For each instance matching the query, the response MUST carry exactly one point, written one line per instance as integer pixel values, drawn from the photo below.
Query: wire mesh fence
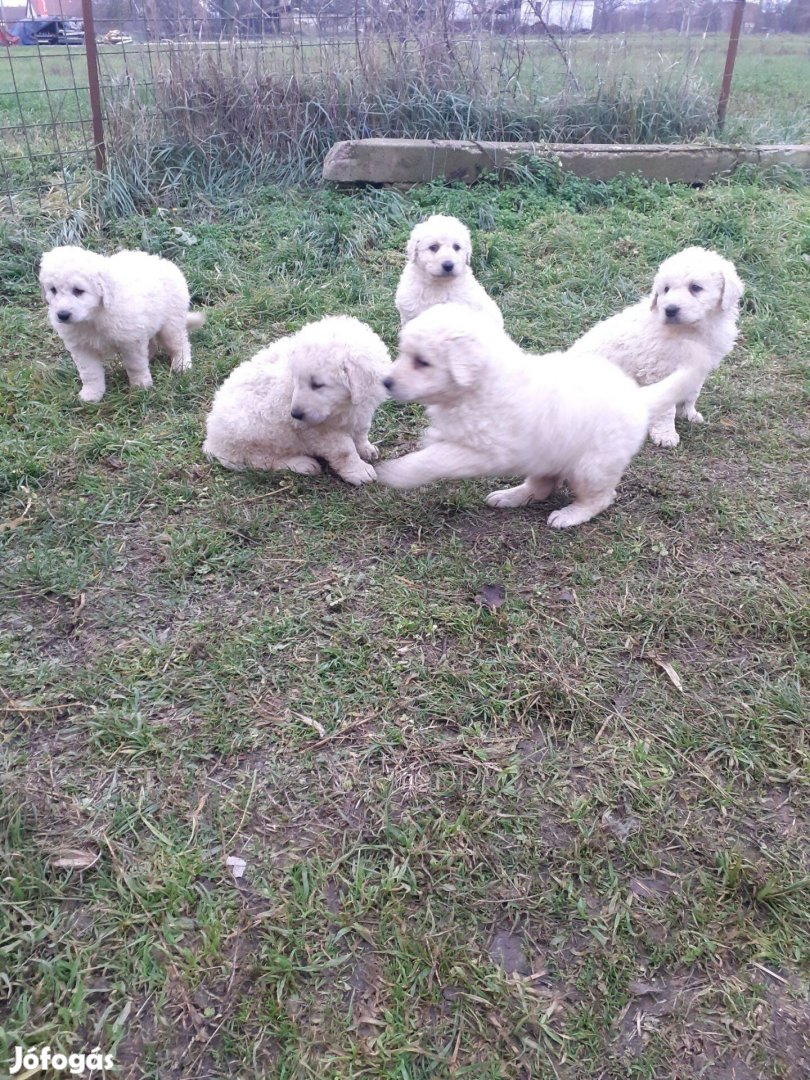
(199, 94)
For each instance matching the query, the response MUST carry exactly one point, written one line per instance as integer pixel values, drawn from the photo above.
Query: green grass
(479, 843)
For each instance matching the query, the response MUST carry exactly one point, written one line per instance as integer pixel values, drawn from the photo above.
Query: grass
(479, 842)
(212, 116)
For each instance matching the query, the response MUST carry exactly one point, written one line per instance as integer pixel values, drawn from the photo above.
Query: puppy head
(333, 365)
(693, 285)
(443, 354)
(73, 285)
(440, 247)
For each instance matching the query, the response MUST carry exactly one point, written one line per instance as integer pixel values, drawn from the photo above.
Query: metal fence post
(93, 83)
(731, 56)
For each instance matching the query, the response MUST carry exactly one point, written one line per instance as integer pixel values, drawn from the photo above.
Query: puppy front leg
(687, 408)
(90, 367)
(135, 359)
(662, 428)
(366, 449)
(342, 455)
(438, 461)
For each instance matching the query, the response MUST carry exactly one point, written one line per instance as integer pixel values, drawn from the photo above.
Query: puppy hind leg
(174, 338)
(533, 489)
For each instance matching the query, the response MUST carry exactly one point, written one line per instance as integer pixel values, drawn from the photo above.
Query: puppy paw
(507, 498)
(141, 382)
(91, 393)
(665, 438)
(362, 474)
(694, 417)
(368, 452)
(180, 364)
(307, 466)
(565, 518)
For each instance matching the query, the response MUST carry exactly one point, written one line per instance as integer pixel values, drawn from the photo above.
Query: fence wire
(254, 80)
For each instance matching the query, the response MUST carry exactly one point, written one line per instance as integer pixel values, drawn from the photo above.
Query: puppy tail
(195, 319)
(670, 391)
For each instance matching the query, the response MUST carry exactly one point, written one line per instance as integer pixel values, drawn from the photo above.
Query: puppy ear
(358, 379)
(733, 287)
(467, 358)
(412, 250)
(467, 255)
(102, 287)
(654, 299)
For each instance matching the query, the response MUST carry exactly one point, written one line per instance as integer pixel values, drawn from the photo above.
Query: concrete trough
(418, 161)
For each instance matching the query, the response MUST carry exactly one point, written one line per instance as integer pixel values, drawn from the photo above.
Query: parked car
(49, 31)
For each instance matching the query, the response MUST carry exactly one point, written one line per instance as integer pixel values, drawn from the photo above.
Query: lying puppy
(495, 410)
(689, 321)
(126, 304)
(308, 396)
(438, 271)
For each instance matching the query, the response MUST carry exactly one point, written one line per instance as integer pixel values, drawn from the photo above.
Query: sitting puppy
(495, 410)
(689, 321)
(126, 304)
(308, 396)
(438, 271)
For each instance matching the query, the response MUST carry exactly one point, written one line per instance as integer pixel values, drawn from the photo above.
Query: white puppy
(311, 395)
(126, 304)
(496, 411)
(690, 320)
(438, 271)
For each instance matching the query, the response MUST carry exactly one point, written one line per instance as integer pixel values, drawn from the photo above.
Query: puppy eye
(419, 362)
(52, 290)
(695, 288)
(666, 288)
(456, 247)
(78, 292)
(316, 385)
(434, 247)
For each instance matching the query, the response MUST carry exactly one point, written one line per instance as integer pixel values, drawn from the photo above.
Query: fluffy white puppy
(495, 411)
(438, 271)
(690, 320)
(308, 396)
(125, 305)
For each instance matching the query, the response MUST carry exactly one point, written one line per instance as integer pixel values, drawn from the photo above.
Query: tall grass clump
(223, 116)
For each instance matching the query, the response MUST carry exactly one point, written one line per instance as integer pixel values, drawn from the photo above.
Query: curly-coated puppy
(496, 411)
(690, 320)
(308, 396)
(124, 305)
(438, 271)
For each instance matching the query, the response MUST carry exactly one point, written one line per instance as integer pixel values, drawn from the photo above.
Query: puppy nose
(63, 316)
(448, 266)
(388, 383)
(671, 310)
(297, 414)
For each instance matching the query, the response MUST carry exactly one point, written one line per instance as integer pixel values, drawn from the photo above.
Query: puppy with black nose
(309, 396)
(125, 305)
(438, 271)
(689, 320)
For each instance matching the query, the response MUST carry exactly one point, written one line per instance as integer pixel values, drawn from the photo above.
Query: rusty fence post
(93, 83)
(731, 56)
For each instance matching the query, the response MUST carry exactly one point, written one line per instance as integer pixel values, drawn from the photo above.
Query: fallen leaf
(639, 988)
(184, 237)
(72, 859)
(237, 865)
(309, 722)
(113, 462)
(17, 521)
(674, 677)
(566, 596)
(490, 596)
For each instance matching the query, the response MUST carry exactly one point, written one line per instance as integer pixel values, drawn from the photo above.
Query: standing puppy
(438, 271)
(311, 395)
(124, 305)
(497, 411)
(690, 320)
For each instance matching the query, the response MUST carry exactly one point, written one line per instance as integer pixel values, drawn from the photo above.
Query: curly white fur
(689, 320)
(497, 411)
(124, 305)
(438, 271)
(311, 395)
